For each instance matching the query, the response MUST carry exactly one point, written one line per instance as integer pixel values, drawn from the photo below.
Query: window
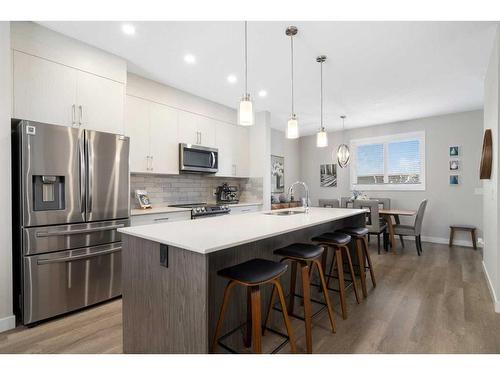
(395, 162)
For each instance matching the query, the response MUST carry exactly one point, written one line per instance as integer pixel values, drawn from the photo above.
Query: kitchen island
(171, 291)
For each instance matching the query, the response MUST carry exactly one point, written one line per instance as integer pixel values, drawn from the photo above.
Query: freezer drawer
(60, 282)
(65, 237)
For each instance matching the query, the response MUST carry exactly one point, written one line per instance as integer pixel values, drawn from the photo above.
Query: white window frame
(420, 136)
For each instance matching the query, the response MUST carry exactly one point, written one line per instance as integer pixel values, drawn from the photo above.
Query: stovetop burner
(204, 209)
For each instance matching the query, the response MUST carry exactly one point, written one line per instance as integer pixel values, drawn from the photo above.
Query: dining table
(388, 215)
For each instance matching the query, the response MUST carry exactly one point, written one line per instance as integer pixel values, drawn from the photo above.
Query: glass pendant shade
(321, 138)
(245, 112)
(343, 155)
(292, 129)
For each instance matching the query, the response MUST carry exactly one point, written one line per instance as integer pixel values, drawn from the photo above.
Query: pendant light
(245, 108)
(292, 129)
(343, 153)
(321, 136)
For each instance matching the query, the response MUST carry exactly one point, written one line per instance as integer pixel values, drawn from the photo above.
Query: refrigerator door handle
(78, 231)
(81, 153)
(90, 179)
(79, 257)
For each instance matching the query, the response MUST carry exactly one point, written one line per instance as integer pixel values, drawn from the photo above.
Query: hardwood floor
(436, 303)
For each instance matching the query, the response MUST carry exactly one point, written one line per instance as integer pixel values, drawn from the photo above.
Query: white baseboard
(496, 302)
(9, 322)
(442, 240)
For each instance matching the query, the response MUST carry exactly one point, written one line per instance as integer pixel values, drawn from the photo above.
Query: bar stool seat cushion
(335, 238)
(355, 231)
(254, 271)
(300, 250)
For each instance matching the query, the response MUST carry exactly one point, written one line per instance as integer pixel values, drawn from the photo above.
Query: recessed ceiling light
(232, 78)
(190, 59)
(262, 93)
(128, 29)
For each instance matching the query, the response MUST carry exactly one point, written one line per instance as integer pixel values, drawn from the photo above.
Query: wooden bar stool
(252, 274)
(360, 236)
(306, 256)
(338, 242)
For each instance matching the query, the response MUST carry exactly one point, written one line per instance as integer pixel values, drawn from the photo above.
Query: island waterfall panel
(173, 308)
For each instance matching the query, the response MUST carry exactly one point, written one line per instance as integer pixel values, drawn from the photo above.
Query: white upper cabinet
(153, 133)
(49, 92)
(232, 142)
(195, 129)
(137, 128)
(44, 91)
(100, 103)
(225, 142)
(242, 157)
(164, 139)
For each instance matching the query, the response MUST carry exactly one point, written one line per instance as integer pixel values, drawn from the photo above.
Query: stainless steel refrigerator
(70, 194)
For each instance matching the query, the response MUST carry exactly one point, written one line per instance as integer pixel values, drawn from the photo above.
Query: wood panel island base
(171, 292)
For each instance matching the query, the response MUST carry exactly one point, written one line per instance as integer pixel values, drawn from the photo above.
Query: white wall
(491, 257)
(290, 150)
(7, 320)
(447, 204)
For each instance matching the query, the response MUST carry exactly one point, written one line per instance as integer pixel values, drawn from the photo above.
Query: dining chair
(415, 229)
(375, 224)
(344, 201)
(330, 203)
(385, 202)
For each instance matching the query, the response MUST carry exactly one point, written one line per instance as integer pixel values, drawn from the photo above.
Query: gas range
(200, 210)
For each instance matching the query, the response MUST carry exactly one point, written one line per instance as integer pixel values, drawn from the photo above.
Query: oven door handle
(78, 231)
(78, 257)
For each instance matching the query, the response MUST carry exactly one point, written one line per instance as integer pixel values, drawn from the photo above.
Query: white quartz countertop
(168, 209)
(204, 236)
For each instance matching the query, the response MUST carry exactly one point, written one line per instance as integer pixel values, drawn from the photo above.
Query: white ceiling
(376, 72)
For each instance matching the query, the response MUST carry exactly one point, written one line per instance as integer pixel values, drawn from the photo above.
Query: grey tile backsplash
(190, 188)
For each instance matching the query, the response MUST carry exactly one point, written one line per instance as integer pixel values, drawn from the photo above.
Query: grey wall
(290, 150)
(447, 204)
(490, 198)
(7, 320)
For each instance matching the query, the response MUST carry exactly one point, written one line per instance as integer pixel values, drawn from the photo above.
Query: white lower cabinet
(53, 93)
(159, 218)
(153, 132)
(245, 209)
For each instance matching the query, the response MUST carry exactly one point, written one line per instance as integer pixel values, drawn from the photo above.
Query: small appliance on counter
(201, 210)
(227, 194)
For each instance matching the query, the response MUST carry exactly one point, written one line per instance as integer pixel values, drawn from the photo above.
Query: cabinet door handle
(147, 162)
(80, 107)
(73, 115)
(162, 219)
(151, 158)
(200, 138)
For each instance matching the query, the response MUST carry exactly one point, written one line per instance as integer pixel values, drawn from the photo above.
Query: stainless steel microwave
(194, 158)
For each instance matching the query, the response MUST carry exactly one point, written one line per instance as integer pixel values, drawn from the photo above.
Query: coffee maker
(227, 194)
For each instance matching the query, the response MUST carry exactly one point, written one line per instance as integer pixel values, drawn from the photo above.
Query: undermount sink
(284, 213)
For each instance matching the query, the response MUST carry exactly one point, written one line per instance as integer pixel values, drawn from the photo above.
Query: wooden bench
(465, 228)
